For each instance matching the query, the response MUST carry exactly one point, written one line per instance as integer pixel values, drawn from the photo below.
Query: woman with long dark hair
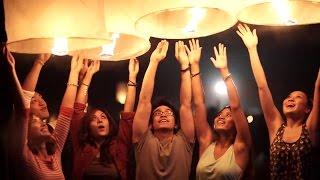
(224, 147)
(40, 150)
(100, 150)
(292, 137)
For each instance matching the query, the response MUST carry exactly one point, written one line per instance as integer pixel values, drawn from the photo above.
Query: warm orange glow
(196, 15)
(108, 49)
(121, 92)
(284, 11)
(60, 46)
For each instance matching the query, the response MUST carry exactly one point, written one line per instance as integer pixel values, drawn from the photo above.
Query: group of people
(162, 137)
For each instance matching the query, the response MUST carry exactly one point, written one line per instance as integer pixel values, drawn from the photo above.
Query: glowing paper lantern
(280, 12)
(54, 26)
(121, 92)
(182, 19)
(126, 41)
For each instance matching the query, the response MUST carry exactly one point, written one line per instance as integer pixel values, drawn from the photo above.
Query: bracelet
(134, 85)
(131, 83)
(72, 84)
(40, 62)
(194, 75)
(227, 77)
(82, 83)
(186, 69)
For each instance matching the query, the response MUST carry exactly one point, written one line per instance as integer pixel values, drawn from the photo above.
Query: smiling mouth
(221, 122)
(290, 105)
(163, 121)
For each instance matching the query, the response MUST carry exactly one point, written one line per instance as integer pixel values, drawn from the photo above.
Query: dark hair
(309, 104)
(226, 107)
(161, 101)
(85, 136)
(219, 112)
(51, 144)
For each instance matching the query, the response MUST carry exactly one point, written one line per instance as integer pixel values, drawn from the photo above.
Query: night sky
(290, 57)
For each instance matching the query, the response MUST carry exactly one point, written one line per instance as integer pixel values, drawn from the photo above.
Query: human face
(163, 118)
(99, 124)
(39, 107)
(38, 129)
(224, 121)
(296, 103)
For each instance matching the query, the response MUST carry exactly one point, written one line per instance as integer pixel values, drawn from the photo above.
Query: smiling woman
(293, 137)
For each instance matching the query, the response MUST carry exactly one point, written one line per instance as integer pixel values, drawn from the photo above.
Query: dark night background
(290, 57)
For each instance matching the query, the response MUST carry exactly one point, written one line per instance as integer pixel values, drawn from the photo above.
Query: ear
(307, 110)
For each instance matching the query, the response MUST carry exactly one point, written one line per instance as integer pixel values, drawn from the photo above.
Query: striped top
(37, 168)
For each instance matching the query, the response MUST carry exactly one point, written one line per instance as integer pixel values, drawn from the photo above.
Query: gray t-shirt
(163, 160)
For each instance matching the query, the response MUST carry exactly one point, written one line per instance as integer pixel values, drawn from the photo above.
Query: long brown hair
(51, 144)
(86, 138)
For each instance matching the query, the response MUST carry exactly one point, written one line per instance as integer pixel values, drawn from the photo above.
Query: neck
(294, 122)
(163, 134)
(42, 150)
(99, 141)
(224, 139)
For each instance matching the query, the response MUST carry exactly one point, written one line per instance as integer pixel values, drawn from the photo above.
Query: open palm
(160, 52)
(220, 61)
(248, 37)
(181, 54)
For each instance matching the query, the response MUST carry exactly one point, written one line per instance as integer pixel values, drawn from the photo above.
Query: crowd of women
(161, 136)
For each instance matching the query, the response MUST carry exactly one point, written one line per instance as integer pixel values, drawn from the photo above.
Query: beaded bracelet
(72, 84)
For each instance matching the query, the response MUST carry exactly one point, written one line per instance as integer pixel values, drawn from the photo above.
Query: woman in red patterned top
(39, 149)
(99, 152)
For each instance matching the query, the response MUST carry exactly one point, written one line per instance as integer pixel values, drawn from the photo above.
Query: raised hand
(133, 67)
(76, 63)
(181, 54)
(194, 53)
(160, 52)
(83, 70)
(249, 38)
(93, 67)
(10, 59)
(43, 58)
(220, 62)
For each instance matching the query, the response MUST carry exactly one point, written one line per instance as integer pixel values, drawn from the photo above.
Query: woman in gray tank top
(225, 153)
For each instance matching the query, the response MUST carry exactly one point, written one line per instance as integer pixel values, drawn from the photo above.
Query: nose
(290, 99)
(99, 120)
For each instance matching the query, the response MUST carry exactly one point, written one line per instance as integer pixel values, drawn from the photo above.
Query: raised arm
(243, 138)
(132, 85)
(313, 124)
(31, 79)
(19, 100)
(186, 118)
(66, 111)
(271, 113)
(203, 130)
(81, 99)
(84, 85)
(20, 107)
(141, 118)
